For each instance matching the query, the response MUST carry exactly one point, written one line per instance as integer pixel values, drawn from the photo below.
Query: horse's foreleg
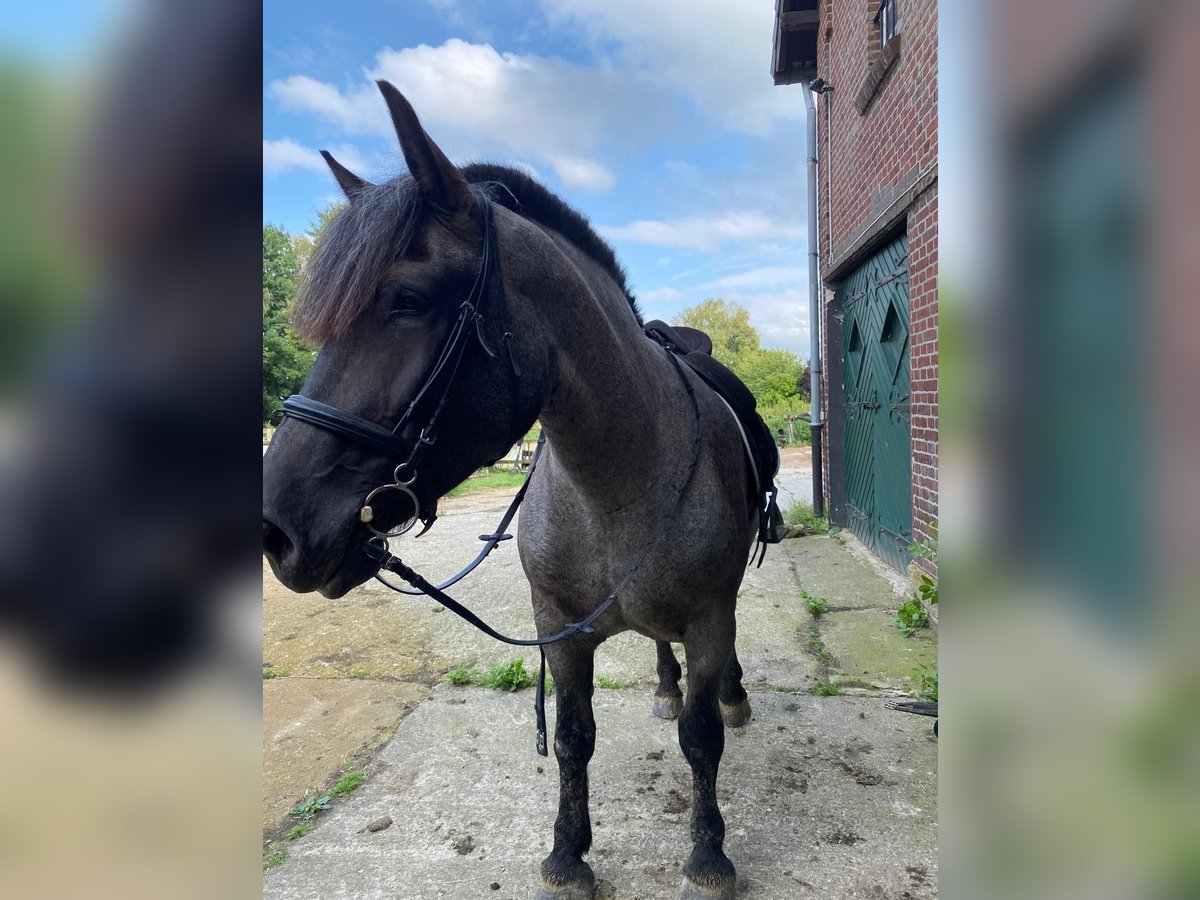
(565, 876)
(668, 699)
(735, 705)
(708, 873)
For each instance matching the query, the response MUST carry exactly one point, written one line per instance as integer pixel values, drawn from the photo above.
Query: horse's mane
(359, 244)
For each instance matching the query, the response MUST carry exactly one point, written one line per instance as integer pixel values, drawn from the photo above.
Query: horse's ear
(350, 183)
(439, 180)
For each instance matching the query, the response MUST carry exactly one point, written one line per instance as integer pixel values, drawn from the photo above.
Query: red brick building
(875, 68)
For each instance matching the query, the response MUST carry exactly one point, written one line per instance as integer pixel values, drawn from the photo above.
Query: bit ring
(366, 514)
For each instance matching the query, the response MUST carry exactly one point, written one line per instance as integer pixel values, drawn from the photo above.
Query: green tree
(302, 246)
(728, 324)
(776, 378)
(324, 217)
(285, 360)
(771, 375)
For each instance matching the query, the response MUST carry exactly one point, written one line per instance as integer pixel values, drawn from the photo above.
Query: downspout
(817, 421)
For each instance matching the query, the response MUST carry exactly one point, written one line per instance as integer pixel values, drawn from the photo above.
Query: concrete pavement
(823, 796)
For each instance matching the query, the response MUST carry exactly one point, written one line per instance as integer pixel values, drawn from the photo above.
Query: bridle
(486, 293)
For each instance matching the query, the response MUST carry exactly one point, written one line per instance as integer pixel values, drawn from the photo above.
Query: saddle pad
(695, 348)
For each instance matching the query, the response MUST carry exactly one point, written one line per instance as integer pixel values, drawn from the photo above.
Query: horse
(454, 307)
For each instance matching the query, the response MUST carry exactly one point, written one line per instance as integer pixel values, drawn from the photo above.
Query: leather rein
(487, 286)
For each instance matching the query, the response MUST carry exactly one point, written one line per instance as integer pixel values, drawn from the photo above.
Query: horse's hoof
(573, 882)
(737, 715)
(669, 706)
(726, 890)
(575, 890)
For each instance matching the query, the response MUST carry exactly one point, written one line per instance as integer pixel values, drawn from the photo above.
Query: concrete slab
(825, 568)
(869, 652)
(314, 727)
(823, 797)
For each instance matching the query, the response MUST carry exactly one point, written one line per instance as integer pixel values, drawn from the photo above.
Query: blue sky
(658, 119)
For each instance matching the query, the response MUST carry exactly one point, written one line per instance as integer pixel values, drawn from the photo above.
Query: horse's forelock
(353, 253)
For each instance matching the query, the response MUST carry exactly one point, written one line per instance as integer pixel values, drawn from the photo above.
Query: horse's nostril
(276, 543)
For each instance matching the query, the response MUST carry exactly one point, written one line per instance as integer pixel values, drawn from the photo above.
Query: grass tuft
(462, 675)
(611, 684)
(272, 672)
(274, 859)
(510, 676)
(299, 831)
(348, 783)
(800, 512)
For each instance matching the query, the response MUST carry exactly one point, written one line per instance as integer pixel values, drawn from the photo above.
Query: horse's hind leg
(565, 876)
(668, 699)
(735, 705)
(708, 872)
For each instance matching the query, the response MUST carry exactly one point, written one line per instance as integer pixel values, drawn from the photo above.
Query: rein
(362, 431)
(377, 549)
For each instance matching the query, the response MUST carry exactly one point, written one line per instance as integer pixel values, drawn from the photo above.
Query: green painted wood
(878, 453)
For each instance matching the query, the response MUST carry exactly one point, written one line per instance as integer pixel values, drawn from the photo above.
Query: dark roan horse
(644, 487)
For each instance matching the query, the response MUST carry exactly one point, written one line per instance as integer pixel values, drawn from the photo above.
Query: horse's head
(404, 293)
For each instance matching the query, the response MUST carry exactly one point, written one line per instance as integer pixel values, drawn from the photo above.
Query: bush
(925, 683)
(775, 417)
(910, 617)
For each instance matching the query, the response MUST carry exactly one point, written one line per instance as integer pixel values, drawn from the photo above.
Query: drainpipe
(814, 307)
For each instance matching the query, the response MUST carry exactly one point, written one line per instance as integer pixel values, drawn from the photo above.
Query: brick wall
(878, 134)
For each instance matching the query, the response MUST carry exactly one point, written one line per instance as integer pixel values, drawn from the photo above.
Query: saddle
(694, 348)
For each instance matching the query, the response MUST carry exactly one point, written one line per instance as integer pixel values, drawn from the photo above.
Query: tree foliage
(728, 324)
(285, 360)
(775, 377)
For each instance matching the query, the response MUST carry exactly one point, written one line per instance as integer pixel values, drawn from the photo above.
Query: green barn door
(878, 456)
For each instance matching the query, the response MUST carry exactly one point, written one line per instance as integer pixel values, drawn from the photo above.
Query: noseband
(486, 293)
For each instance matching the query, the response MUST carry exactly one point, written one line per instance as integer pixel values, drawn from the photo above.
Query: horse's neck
(608, 409)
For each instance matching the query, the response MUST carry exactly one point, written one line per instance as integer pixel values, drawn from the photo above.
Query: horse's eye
(403, 303)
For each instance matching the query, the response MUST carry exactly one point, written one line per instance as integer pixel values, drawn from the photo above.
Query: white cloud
(704, 233)
(762, 276)
(587, 174)
(360, 112)
(661, 295)
(286, 155)
(781, 317)
(476, 102)
(716, 51)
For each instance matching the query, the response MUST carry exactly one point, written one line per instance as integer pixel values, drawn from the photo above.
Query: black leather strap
(330, 418)
(491, 541)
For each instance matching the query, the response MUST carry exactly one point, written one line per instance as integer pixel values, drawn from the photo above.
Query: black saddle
(694, 347)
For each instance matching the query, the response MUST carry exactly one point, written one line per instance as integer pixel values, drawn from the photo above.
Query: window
(886, 20)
